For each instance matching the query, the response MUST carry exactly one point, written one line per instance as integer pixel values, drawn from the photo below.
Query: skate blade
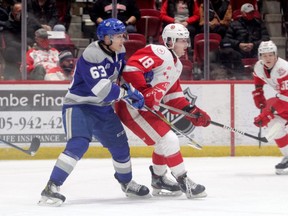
(134, 196)
(281, 171)
(166, 193)
(53, 202)
(200, 195)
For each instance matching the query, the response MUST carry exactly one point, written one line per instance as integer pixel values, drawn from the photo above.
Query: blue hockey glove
(132, 96)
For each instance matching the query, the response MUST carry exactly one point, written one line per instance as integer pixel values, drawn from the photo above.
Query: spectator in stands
(65, 68)
(11, 40)
(127, 12)
(220, 15)
(64, 12)
(41, 57)
(4, 12)
(45, 11)
(242, 39)
(284, 9)
(185, 12)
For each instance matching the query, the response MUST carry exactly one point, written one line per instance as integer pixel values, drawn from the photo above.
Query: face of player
(180, 46)
(117, 41)
(269, 59)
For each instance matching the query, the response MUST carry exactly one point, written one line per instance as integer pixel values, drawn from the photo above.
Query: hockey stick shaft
(262, 139)
(192, 144)
(34, 146)
(260, 132)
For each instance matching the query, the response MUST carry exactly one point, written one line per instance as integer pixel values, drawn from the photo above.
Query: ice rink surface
(236, 186)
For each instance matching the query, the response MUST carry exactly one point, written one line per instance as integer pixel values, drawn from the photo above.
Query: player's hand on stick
(201, 117)
(132, 96)
(259, 98)
(264, 118)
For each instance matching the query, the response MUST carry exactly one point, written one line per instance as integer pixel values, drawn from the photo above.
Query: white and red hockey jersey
(277, 78)
(155, 72)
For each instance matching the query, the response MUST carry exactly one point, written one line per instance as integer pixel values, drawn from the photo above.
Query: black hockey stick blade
(34, 146)
(262, 139)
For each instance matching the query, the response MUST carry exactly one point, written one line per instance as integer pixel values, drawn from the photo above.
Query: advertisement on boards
(29, 110)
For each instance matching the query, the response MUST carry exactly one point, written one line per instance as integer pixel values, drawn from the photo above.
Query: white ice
(236, 186)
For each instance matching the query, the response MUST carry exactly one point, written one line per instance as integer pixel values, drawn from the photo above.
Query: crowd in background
(241, 30)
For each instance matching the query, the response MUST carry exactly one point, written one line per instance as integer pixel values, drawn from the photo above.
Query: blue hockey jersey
(95, 77)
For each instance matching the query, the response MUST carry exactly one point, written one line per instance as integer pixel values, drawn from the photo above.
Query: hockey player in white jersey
(273, 70)
(155, 70)
(88, 111)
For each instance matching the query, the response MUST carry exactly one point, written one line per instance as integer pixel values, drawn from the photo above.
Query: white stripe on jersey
(143, 124)
(102, 88)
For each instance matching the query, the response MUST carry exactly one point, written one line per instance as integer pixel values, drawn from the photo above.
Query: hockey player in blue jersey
(88, 111)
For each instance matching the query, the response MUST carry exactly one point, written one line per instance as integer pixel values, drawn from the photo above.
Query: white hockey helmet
(267, 47)
(173, 32)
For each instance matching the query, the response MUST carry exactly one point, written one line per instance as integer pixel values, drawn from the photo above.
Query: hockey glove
(259, 98)
(264, 118)
(201, 117)
(153, 95)
(132, 96)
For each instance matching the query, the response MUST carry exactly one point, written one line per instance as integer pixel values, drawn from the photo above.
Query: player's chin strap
(193, 143)
(106, 48)
(262, 139)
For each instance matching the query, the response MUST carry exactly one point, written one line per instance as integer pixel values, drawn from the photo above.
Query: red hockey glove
(264, 118)
(259, 99)
(152, 96)
(203, 118)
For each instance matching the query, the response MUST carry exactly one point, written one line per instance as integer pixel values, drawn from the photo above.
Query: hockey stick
(192, 144)
(34, 146)
(260, 132)
(262, 139)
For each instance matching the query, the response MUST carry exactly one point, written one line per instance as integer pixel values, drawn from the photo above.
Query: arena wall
(31, 109)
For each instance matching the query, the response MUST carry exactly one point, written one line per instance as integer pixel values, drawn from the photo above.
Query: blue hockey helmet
(110, 26)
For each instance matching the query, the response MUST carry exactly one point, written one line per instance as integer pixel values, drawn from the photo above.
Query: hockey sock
(121, 162)
(159, 164)
(282, 144)
(175, 162)
(63, 167)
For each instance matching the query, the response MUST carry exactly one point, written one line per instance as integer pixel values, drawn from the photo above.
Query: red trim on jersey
(258, 81)
(283, 85)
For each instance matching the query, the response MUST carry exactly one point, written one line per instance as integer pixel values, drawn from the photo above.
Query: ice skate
(282, 167)
(163, 186)
(191, 189)
(132, 189)
(50, 196)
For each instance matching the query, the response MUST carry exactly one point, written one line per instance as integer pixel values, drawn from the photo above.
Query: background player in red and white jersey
(273, 70)
(154, 71)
